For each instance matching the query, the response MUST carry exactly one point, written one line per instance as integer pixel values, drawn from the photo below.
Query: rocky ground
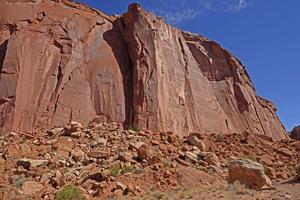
(103, 161)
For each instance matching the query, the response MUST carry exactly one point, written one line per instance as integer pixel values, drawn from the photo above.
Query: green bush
(69, 192)
(134, 128)
(116, 170)
(219, 138)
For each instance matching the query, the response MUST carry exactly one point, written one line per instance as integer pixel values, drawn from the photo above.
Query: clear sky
(263, 34)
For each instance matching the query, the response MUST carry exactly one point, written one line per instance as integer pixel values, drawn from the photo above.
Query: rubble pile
(104, 160)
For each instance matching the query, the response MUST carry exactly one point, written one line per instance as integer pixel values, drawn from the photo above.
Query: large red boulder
(295, 133)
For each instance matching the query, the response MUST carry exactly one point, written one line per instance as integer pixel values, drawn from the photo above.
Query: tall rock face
(62, 61)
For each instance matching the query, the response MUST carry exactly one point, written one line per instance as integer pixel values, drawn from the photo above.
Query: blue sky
(263, 34)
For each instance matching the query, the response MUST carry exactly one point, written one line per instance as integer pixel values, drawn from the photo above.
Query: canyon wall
(61, 61)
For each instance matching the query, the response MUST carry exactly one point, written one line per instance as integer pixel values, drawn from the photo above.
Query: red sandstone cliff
(62, 61)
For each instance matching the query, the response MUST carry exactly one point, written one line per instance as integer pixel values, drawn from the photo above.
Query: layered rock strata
(62, 61)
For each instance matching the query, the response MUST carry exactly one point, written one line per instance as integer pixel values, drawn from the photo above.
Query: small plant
(116, 170)
(127, 169)
(219, 138)
(157, 195)
(166, 163)
(134, 128)
(69, 192)
(20, 182)
(239, 189)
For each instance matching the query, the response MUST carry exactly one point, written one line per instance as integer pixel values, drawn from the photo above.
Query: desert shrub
(166, 163)
(238, 188)
(219, 138)
(117, 170)
(69, 192)
(134, 128)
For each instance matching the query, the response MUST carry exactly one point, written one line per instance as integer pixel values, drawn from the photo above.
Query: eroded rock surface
(62, 61)
(295, 133)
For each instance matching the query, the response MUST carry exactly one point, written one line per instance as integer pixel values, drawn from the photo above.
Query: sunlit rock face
(61, 61)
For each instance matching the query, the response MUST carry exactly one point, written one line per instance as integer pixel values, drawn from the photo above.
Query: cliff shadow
(3, 48)
(117, 42)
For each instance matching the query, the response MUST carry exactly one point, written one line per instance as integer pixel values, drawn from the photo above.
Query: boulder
(191, 156)
(249, 173)
(121, 186)
(212, 159)
(295, 133)
(194, 140)
(55, 131)
(27, 163)
(77, 155)
(144, 152)
(31, 187)
(98, 154)
(286, 152)
(297, 170)
(296, 145)
(73, 129)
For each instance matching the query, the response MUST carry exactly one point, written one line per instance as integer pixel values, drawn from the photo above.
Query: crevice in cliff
(58, 45)
(55, 104)
(3, 49)
(59, 76)
(55, 94)
(118, 43)
(260, 122)
(12, 28)
(187, 87)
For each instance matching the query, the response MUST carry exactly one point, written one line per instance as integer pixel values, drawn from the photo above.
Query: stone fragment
(121, 186)
(45, 177)
(144, 152)
(197, 142)
(57, 180)
(266, 160)
(155, 142)
(286, 152)
(13, 151)
(27, 163)
(135, 145)
(31, 187)
(98, 154)
(296, 145)
(55, 131)
(127, 157)
(212, 159)
(25, 148)
(297, 170)
(72, 128)
(191, 156)
(77, 134)
(77, 155)
(270, 172)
